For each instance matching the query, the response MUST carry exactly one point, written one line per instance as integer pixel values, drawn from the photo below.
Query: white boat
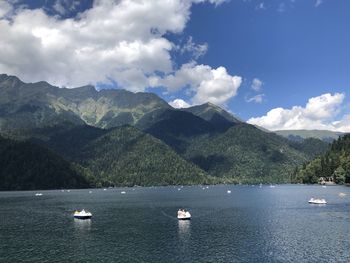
(317, 201)
(183, 215)
(229, 191)
(38, 194)
(123, 192)
(82, 214)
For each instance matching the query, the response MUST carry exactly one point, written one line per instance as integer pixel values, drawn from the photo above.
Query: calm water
(251, 224)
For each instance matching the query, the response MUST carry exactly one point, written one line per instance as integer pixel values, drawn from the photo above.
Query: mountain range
(299, 135)
(116, 137)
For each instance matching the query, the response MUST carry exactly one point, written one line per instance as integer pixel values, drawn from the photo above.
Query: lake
(251, 224)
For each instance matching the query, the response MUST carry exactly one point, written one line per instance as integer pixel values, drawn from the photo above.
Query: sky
(279, 64)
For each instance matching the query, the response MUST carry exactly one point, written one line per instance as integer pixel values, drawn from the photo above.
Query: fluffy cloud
(197, 50)
(217, 87)
(207, 84)
(318, 113)
(5, 8)
(256, 84)
(179, 103)
(63, 7)
(119, 40)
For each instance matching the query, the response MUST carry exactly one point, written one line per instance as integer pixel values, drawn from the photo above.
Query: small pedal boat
(82, 214)
(317, 201)
(183, 215)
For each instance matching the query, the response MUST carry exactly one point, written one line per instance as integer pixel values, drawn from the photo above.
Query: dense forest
(26, 166)
(335, 163)
(125, 156)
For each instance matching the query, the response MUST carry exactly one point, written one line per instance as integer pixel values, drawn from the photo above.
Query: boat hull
(184, 218)
(82, 217)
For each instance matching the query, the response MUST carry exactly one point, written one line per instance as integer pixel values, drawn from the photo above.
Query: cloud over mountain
(319, 113)
(206, 83)
(119, 41)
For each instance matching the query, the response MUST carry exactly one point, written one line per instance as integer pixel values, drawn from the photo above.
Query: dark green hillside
(335, 163)
(26, 166)
(245, 154)
(125, 156)
(176, 128)
(311, 147)
(242, 153)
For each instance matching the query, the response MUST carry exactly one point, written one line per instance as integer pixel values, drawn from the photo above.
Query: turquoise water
(251, 224)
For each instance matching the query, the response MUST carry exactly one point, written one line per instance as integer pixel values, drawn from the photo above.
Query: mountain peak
(213, 113)
(10, 81)
(87, 88)
(209, 104)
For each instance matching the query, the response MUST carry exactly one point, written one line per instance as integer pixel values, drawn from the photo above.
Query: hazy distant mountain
(323, 135)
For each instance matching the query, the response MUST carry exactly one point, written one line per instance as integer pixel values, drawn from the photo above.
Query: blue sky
(297, 52)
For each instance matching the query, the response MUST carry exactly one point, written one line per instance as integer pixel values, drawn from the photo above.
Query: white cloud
(256, 84)
(5, 9)
(120, 40)
(218, 88)
(318, 3)
(197, 50)
(63, 7)
(179, 103)
(207, 84)
(257, 99)
(319, 113)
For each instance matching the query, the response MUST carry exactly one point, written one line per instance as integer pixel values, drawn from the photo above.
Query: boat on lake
(183, 215)
(38, 194)
(317, 201)
(82, 214)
